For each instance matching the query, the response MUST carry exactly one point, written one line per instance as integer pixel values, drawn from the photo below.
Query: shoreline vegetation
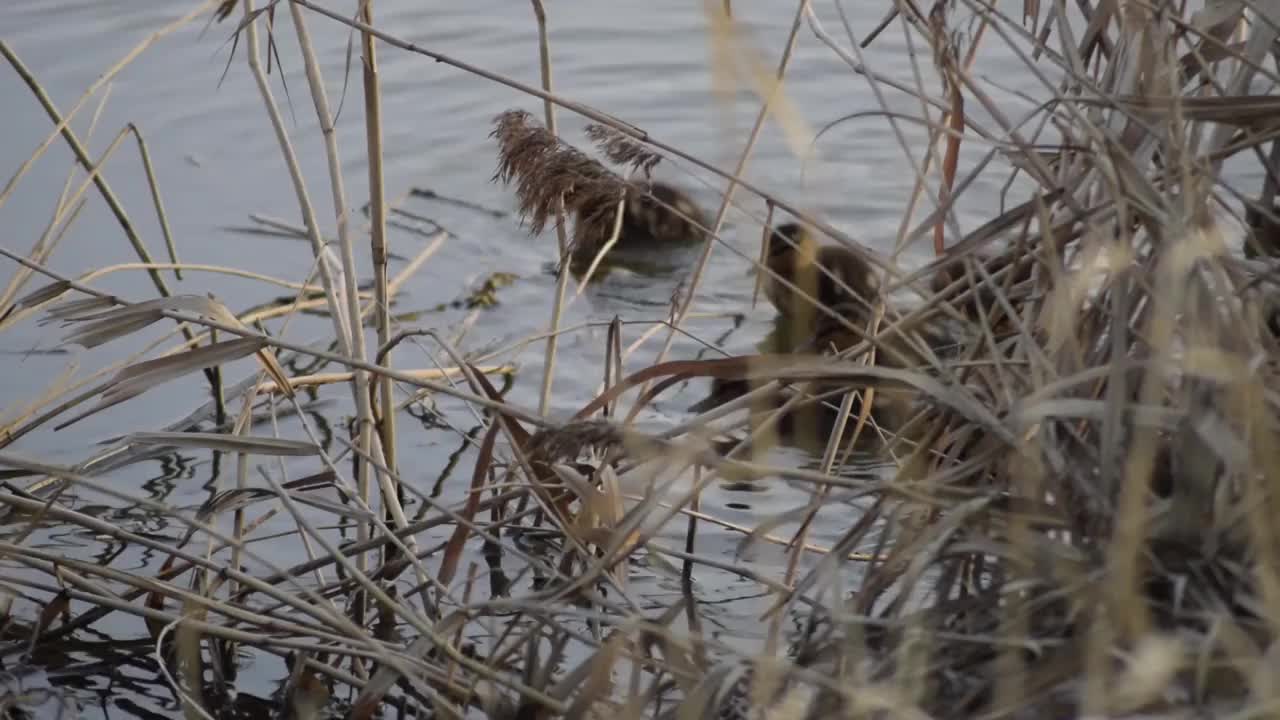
(1072, 407)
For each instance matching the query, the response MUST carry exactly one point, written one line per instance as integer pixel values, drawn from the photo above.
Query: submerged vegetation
(1071, 410)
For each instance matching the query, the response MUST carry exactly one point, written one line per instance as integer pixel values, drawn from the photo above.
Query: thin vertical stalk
(295, 174)
(562, 276)
(378, 231)
(320, 99)
(361, 382)
(368, 442)
(686, 303)
(154, 186)
(242, 482)
(346, 320)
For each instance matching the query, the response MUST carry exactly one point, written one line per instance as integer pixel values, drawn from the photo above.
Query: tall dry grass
(1076, 516)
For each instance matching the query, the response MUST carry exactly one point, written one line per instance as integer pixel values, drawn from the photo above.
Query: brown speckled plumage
(830, 274)
(654, 214)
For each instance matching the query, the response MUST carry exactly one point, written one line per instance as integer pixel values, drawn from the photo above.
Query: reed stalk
(365, 424)
(378, 228)
(562, 241)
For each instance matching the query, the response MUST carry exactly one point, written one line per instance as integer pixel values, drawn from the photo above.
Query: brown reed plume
(622, 150)
(545, 170)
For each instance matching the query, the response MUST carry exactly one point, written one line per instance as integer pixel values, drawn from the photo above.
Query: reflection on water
(217, 162)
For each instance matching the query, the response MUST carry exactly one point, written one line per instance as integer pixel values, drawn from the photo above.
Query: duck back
(655, 216)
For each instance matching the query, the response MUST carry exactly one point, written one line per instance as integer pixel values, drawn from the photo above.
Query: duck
(804, 280)
(655, 215)
(844, 325)
(829, 274)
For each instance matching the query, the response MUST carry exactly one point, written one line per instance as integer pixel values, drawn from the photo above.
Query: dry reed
(1075, 517)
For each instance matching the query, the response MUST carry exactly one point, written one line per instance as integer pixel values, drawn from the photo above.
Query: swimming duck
(796, 258)
(842, 323)
(654, 214)
(848, 290)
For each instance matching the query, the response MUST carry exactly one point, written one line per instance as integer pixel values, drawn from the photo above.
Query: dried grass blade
(453, 550)
(65, 310)
(267, 359)
(228, 443)
(105, 326)
(44, 294)
(337, 509)
(599, 677)
(190, 660)
(324, 478)
(233, 499)
(140, 377)
(1237, 110)
(225, 502)
(104, 331)
(129, 315)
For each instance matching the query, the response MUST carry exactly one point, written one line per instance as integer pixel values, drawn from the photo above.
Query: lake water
(217, 161)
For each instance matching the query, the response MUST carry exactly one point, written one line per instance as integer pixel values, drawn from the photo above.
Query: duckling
(654, 214)
(843, 322)
(664, 214)
(796, 257)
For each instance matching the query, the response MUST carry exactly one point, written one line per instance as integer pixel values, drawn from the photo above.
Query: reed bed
(1074, 517)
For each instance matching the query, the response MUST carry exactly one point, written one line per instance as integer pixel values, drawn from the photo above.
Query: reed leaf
(225, 443)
